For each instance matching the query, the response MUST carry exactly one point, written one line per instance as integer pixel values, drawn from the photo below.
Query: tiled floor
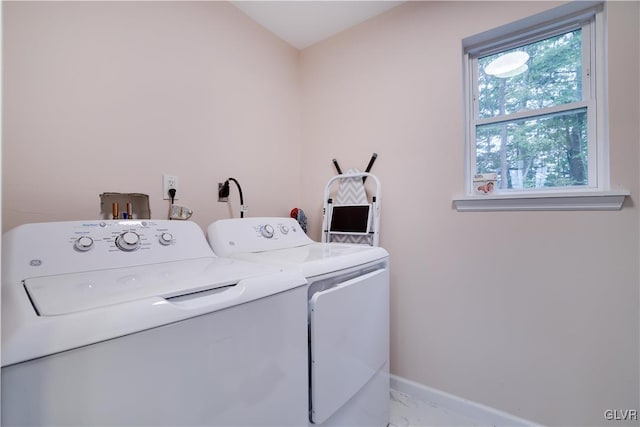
(406, 411)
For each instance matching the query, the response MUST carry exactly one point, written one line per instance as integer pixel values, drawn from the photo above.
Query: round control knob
(83, 243)
(267, 231)
(284, 229)
(166, 239)
(128, 241)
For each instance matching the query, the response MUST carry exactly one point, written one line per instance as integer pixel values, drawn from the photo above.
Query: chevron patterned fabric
(351, 192)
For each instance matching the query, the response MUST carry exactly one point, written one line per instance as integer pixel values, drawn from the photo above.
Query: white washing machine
(348, 307)
(139, 323)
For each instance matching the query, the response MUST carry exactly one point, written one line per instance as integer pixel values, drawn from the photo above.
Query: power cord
(172, 194)
(241, 198)
(223, 193)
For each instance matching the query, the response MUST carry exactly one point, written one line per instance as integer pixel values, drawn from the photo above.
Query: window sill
(588, 201)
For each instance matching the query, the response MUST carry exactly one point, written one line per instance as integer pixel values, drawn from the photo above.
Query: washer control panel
(125, 236)
(59, 247)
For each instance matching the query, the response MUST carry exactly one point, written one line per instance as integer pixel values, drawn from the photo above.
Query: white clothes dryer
(348, 319)
(139, 323)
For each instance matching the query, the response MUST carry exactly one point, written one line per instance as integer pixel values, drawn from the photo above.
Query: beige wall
(108, 96)
(533, 313)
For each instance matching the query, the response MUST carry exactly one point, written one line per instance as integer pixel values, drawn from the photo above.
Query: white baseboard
(484, 415)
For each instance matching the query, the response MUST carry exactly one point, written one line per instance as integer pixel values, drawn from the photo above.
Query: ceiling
(305, 22)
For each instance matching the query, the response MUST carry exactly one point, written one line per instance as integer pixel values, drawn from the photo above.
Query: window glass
(545, 151)
(538, 75)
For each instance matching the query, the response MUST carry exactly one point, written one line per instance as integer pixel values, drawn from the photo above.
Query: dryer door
(349, 331)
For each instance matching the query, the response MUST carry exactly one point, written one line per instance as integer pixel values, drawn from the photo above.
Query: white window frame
(596, 194)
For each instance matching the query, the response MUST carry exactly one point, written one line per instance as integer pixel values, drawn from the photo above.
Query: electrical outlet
(169, 182)
(223, 192)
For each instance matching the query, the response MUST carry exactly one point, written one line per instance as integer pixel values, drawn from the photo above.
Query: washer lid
(69, 293)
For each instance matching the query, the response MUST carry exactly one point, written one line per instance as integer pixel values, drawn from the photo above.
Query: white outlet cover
(168, 182)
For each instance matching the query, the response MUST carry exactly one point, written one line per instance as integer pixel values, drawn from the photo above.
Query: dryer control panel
(259, 234)
(63, 247)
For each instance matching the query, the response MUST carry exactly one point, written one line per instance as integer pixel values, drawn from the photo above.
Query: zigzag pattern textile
(351, 191)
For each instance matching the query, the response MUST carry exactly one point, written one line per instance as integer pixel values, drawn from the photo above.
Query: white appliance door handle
(213, 299)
